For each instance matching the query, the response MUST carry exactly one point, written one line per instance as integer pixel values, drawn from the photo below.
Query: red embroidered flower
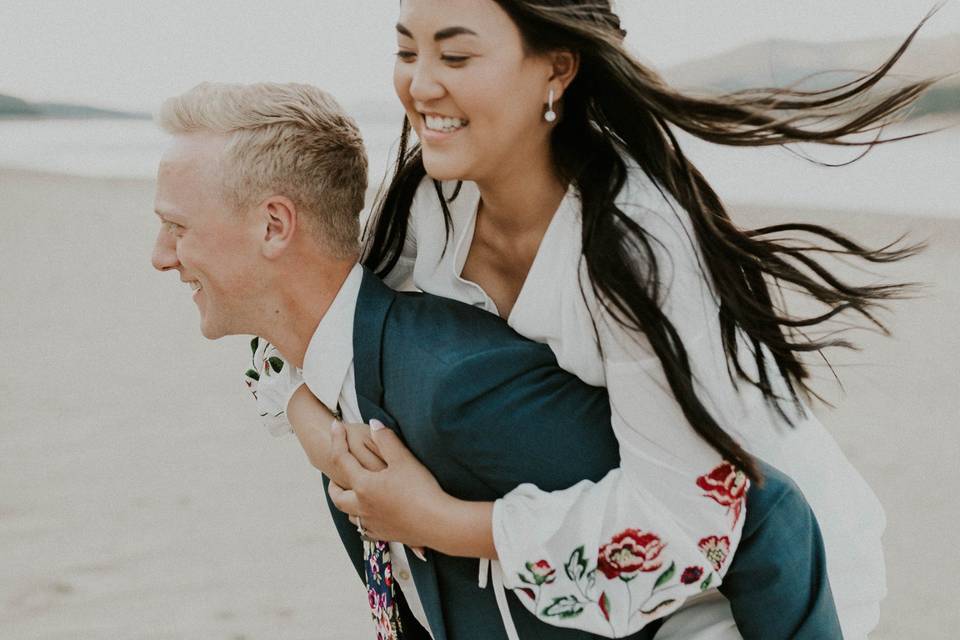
(727, 485)
(691, 575)
(630, 552)
(716, 549)
(542, 572)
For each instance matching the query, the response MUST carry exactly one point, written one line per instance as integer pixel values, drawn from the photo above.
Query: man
(259, 197)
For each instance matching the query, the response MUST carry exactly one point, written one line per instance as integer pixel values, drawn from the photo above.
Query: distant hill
(781, 63)
(12, 107)
(16, 107)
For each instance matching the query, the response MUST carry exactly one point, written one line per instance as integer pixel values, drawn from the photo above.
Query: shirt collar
(330, 352)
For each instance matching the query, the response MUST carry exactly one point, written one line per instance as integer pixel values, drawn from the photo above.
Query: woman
(548, 188)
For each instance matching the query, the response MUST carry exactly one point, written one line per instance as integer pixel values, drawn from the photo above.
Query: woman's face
(471, 93)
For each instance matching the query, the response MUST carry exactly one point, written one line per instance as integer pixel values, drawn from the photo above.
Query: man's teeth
(438, 123)
(195, 285)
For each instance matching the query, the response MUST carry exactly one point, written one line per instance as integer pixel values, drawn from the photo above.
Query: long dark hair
(617, 106)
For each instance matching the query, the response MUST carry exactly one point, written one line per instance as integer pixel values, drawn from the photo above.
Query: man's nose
(164, 255)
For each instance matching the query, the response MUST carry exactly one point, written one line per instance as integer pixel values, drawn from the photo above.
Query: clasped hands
(375, 477)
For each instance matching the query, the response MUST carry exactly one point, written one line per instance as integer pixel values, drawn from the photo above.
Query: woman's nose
(424, 85)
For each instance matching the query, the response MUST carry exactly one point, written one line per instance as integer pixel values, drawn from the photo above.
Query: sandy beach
(141, 499)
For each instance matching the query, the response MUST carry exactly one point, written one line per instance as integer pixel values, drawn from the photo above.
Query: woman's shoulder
(685, 287)
(664, 221)
(643, 198)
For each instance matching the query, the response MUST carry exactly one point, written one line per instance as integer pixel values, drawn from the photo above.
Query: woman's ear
(565, 66)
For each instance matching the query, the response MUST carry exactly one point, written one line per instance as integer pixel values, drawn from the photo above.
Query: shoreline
(737, 208)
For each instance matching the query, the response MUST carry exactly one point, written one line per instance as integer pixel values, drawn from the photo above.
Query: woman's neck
(520, 202)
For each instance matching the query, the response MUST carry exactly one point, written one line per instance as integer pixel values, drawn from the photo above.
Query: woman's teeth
(446, 125)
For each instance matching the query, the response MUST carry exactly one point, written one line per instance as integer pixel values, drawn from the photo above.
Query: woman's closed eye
(454, 59)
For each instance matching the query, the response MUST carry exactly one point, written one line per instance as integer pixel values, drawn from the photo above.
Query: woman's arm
(311, 422)
(404, 503)
(400, 499)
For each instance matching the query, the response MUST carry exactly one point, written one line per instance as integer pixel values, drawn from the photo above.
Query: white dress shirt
(661, 455)
(328, 372)
(556, 306)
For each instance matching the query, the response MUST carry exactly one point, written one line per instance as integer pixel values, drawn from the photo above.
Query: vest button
(404, 575)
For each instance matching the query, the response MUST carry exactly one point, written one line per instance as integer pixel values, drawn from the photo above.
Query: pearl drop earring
(550, 115)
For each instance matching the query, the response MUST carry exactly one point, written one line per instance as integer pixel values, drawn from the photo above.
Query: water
(101, 148)
(920, 176)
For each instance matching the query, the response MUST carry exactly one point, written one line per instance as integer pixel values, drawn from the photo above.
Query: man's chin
(211, 331)
(211, 335)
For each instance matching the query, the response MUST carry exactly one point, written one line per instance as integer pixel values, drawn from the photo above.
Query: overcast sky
(132, 54)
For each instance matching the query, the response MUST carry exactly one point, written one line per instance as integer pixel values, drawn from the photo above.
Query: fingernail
(376, 425)
(419, 554)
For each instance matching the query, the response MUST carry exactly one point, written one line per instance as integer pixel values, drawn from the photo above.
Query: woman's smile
(436, 128)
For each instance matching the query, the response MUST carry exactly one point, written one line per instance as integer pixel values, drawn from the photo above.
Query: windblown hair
(286, 139)
(617, 108)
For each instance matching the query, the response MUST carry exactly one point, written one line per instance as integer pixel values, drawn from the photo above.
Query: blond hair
(286, 139)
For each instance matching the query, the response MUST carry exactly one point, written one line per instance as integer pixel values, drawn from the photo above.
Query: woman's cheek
(401, 83)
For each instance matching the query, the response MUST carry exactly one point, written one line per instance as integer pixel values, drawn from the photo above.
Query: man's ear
(565, 65)
(280, 222)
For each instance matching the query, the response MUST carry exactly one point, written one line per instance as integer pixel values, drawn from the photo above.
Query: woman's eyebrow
(442, 34)
(450, 32)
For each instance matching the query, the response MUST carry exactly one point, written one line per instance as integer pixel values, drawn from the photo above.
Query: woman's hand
(400, 503)
(361, 445)
(311, 423)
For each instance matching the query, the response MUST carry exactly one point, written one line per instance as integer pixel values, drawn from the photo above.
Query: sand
(140, 498)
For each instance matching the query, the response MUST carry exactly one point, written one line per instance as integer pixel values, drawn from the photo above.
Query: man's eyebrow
(442, 34)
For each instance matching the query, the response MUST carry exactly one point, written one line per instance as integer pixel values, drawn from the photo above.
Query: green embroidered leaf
(706, 583)
(275, 363)
(565, 607)
(524, 579)
(591, 579)
(665, 576)
(577, 565)
(663, 604)
(254, 344)
(252, 374)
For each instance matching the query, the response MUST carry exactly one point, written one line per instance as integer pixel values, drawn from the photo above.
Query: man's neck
(299, 306)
